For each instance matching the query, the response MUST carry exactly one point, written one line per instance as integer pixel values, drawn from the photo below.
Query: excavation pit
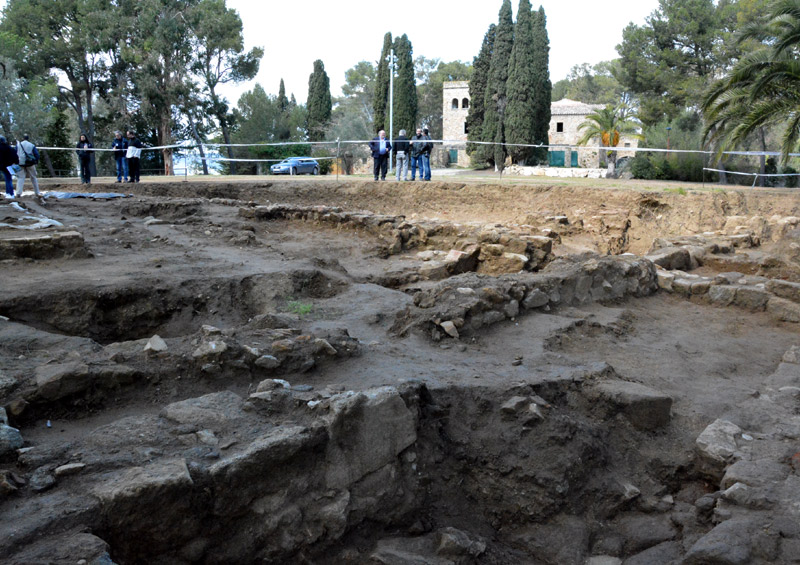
(223, 379)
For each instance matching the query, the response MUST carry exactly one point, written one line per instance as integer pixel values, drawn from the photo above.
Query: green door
(454, 155)
(574, 159)
(557, 158)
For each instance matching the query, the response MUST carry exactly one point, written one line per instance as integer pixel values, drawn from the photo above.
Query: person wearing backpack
(85, 158)
(8, 157)
(28, 156)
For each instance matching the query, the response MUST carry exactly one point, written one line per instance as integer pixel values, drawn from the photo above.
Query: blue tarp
(100, 195)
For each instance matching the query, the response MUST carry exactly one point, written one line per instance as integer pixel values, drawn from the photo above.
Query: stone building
(565, 117)
(455, 107)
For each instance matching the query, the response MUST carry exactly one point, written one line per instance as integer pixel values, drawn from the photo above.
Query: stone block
(729, 543)
(535, 299)
(645, 408)
(722, 295)
(434, 271)
(10, 440)
(754, 473)
(784, 310)
(44, 246)
(682, 286)
(209, 411)
(700, 288)
(367, 430)
(665, 280)
(671, 258)
(716, 446)
(751, 298)
(514, 405)
(56, 381)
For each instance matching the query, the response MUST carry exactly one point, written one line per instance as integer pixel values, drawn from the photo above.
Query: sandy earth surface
(189, 262)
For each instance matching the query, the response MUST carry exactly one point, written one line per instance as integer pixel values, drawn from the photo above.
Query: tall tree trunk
(226, 135)
(48, 163)
(165, 138)
(612, 164)
(220, 111)
(199, 146)
(723, 177)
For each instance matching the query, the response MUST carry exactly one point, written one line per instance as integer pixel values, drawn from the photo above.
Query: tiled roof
(567, 107)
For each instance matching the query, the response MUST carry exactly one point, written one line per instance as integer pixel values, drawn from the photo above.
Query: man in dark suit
(380, 148)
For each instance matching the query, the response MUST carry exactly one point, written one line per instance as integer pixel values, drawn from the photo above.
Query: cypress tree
(495, 98)
(518, 121)
(477, 92)
(283, 102)
(319, 102)
(405, 89)
(543, 88)
(282, 132)
(381, 98)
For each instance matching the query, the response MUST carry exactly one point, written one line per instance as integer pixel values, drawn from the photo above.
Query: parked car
(296, 166)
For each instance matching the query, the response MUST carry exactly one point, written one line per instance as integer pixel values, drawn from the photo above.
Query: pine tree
(405, 89)
(495, 98)
(319, 102)
(477, 92)
(381, 98)
(543, 88)
(518, 121)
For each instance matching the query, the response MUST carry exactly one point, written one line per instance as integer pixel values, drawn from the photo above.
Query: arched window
(465, 103)
(454, 105)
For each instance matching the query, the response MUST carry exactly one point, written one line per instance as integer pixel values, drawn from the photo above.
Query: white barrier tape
(754, 174)
(270, 144)
(259, 160)
(454, 142)
(100, 149)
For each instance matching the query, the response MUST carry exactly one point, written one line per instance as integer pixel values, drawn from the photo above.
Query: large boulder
(717, 448)
(368, 430)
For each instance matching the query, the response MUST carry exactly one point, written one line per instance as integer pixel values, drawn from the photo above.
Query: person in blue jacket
(8, 158)
(120, 147)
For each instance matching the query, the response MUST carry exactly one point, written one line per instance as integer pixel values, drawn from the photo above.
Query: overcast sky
(343, 32)
(294, 33)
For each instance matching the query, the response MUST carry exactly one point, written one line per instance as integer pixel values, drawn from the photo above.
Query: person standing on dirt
(401, 155)
(134, 153)
(85, 158)
(120, 146)
(381, 149)
(28, 156)
(417, 150)
(426, 155)
(8, 158)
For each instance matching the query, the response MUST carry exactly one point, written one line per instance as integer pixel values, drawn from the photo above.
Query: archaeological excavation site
(326, 371)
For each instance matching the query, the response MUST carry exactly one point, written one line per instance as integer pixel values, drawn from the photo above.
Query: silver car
(296, 166)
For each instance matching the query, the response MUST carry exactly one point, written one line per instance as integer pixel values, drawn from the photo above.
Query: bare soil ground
(471, 370)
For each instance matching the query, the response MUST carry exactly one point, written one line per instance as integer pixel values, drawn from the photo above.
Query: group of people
(25, 156)
(415, 152)
(23, 159)
(127, 153)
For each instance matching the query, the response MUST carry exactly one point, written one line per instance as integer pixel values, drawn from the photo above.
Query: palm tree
(763, 88)
(608, 124)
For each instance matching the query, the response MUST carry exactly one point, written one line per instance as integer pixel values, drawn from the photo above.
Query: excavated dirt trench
(392, 373)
